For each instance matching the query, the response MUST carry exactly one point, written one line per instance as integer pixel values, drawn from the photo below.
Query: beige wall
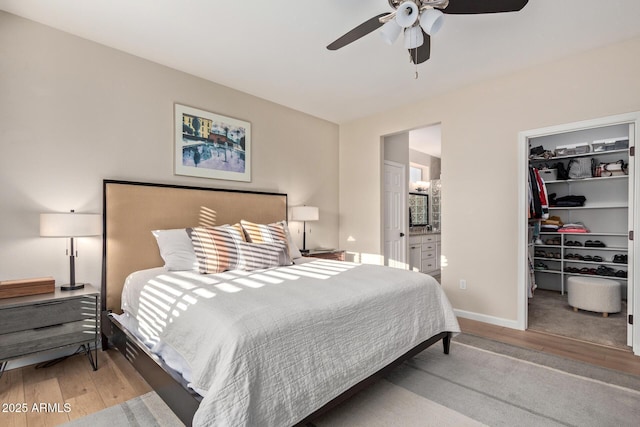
(73, 112)
(480, 125)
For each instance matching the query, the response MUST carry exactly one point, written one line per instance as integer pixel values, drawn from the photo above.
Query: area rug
(481, 382)
(493, 389)
(550, 312)
(148, 410)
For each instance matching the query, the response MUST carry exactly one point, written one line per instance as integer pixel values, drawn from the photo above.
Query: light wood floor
(607, 357)
(72, 381)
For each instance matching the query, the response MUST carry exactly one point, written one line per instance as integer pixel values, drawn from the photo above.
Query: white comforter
(268, 347)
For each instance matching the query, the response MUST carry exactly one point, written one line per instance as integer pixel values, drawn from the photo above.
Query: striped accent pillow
(255, 256)
(270, 233)
(217, 247)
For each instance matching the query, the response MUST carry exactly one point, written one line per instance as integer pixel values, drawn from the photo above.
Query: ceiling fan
(420, 19)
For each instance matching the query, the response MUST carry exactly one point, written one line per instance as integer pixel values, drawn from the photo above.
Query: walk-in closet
(580, 221)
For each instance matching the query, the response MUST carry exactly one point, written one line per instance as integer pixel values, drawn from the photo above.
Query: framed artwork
(209, 145)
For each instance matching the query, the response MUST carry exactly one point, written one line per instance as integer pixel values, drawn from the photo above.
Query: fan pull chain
(415, 58)
(415, 62)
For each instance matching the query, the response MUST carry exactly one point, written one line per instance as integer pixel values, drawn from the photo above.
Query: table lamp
(71, 225)
(304, 214)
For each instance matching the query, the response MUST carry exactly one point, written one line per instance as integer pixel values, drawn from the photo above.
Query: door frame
(633, 296)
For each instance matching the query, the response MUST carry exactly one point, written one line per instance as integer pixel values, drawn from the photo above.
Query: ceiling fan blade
(423, 52)
(358, 32)
(463, 7)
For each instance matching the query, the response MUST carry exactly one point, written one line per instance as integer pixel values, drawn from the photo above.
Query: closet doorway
(587, 237)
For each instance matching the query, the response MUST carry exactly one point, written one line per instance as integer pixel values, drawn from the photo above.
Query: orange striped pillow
(217, 247)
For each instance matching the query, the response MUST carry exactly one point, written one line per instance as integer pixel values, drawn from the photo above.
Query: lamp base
(72, 287)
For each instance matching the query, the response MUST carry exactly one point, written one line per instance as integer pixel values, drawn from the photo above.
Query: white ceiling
(276, 49)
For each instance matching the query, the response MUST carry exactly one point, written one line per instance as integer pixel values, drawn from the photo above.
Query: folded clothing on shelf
(576, 227)
(566, 201)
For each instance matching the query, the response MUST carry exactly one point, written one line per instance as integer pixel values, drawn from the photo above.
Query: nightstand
(36, 323)
(334, 254)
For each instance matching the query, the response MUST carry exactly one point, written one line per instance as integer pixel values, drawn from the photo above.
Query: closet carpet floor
(550, 312)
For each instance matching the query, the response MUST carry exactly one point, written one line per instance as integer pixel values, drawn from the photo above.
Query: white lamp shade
(431, 21)
(305, 213)
(407, 14)
(390, 32)
(70, 225)
(413, 37)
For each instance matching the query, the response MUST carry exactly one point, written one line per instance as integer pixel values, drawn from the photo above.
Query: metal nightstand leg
(93, 358)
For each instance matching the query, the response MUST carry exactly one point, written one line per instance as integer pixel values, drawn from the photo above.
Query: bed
(253, 346)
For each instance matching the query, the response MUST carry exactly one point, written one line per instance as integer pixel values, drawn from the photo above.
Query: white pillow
(294, 252)
(176, 249)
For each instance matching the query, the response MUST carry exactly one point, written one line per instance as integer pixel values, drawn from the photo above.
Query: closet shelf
(612, 249)
(603, 206)
(556, 234)
(602, 178)
(573, 156)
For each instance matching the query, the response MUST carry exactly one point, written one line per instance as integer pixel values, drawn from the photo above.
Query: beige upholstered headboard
(133, 209)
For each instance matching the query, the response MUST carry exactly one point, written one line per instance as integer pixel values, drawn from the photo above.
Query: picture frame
(209, 145)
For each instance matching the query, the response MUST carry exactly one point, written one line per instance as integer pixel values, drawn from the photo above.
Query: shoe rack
(605, 213)
(560, 256)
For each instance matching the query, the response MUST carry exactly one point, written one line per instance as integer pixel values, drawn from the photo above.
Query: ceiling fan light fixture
(407, 14)
(413, 37)
(390, 32)
(431, 21)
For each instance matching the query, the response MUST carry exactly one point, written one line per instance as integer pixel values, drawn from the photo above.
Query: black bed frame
(171, 386)
(184, 402)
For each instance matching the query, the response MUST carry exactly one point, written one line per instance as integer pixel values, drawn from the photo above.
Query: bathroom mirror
(418, 209)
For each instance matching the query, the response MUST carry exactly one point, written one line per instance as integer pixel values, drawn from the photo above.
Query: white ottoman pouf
(594, 294)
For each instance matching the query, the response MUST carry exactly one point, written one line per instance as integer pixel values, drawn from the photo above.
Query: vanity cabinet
(424, 253)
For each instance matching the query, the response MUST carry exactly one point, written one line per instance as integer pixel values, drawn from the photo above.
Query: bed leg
(446, 342)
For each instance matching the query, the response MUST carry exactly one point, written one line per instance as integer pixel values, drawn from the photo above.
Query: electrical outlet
(463, 284)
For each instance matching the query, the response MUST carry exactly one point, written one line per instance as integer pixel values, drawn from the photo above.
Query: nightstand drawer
(35, 340)
(46, 313)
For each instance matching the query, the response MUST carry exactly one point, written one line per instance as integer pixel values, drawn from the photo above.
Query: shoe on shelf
(605, 271)
(621, 273)
(540, 266)
(594, 244)
(620, 259)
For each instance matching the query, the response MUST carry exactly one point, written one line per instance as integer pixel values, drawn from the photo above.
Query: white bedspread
(268, 347)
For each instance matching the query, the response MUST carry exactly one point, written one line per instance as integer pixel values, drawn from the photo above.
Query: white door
(631, 282)
(395, 214)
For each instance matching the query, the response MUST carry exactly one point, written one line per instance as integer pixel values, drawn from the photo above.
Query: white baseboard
(498, 321)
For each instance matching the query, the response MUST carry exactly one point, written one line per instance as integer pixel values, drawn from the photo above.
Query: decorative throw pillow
(270, 233)
(176, 249)
(255, 256)
(216, 247)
